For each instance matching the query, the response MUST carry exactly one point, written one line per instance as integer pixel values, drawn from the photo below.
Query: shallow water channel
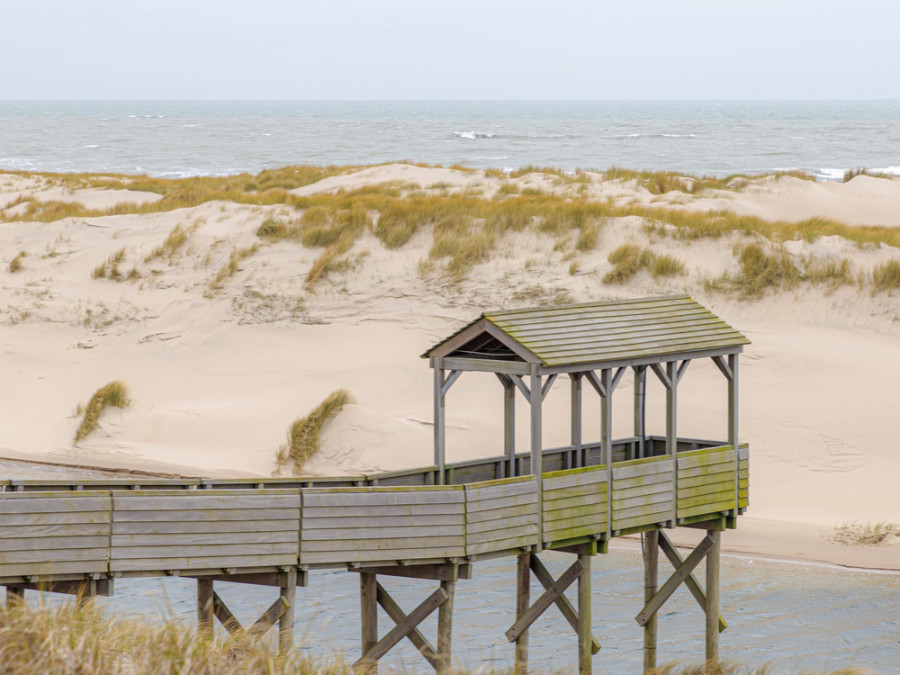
(796, 617)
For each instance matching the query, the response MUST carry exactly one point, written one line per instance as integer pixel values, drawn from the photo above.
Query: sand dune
(219, 369)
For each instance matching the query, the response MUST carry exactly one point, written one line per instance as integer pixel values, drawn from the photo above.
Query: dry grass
(865, 534)
(629, 259)
(230, 268)
(16, 263)
(886, 277)
(110, 268)
(303, 435)
(65, 640)
(114, 394)
(176, 240)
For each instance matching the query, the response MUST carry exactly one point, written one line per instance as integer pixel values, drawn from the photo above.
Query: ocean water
(794, 617)
(699, 137)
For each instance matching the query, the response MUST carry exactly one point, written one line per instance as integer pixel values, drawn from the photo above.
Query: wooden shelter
(434, 523)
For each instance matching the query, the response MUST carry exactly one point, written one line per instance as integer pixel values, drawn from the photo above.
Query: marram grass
(114, 394)
(303, 435)
(67, 640)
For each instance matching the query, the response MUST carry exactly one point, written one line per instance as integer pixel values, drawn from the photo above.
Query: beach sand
(218, 371)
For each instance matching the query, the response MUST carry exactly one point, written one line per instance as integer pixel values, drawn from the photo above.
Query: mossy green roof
(604, 331)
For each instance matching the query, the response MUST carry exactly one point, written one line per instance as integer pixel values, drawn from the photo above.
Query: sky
(437, 50)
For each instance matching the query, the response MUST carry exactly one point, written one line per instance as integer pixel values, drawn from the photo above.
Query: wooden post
(640, 383)
(585, 637)
(672, 430)
(712, 600)
(536, 440)
(288, 594)
(651, 567)
(86, 591)
(445, 629)
(580, 459)
(368, 595)
(606, 442)
(509, 426)
(523, 601)
(205, 616)
(733, 440)
(439, 420)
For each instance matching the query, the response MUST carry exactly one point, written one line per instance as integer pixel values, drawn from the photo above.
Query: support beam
(651, 568)
(523, 600)
(576, 424)
(712, 599)
(225, 617)
(733, 438)
(509, 427)
(445, 629)
(585, 637)
(288, 596)
(672, 429)
(439, 419)
(640, 401)
(521, 386)
(664, 593)
(690, 581)
(14, 597)
(205, 605)
(448, 382)
(368, 596)
(606, 442)
(562, 602)
(537, 438)
(547, 386)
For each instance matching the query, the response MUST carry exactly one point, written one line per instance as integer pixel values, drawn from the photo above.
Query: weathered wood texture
(46, 533)
(203, 529)
(706, 480)
(501, 515)
(382, 524)
(642, 492)
(574, 504)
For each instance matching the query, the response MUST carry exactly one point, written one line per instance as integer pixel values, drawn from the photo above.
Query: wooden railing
(108, 527)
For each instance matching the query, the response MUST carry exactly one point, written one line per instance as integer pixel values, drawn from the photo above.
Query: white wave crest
(472, 135)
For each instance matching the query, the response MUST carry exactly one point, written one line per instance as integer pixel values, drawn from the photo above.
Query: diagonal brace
(415, 636)
(543, 602)
(690, 581)
(260, 626)
(680, 574)
(398, 632)
(562, 602)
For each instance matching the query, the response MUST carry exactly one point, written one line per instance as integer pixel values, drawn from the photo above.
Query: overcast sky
(422, 49)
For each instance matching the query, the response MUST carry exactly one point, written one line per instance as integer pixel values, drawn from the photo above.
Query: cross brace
(406, 627)
(553, 594)
(259, 627)
(683, 573)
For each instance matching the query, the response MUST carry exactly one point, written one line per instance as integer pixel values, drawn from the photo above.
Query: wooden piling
(651, 568)
(712, 599)
(288, 594)
(368, 595)
(14, 597)
(205, 616)
(523, 601)
(585, 636)
(445, 629)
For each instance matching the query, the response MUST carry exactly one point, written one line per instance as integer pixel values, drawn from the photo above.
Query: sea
(190, 138)
(795, 617)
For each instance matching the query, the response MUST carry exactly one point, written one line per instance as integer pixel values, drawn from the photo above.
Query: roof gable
(594, 332)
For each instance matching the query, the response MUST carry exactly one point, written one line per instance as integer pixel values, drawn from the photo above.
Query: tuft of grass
(629, 259)
(727, 668)
(830, 272)
(89, 641)
(865, 534)
(110, 268)
(16, 263)
(303, 435)
(761, 271)
(176, 240)
(230, 268)
(886, 277)
(114, 394)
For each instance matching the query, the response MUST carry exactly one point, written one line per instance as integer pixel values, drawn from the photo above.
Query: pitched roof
(593, 332)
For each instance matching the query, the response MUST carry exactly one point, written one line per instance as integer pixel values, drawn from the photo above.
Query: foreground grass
(66, 640)
(114, 394)
(303, 435)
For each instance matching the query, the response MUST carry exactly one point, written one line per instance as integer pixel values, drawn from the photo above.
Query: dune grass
(886, 277)
(114, 394)
(16, 263)
(230, 268)
(727, 668)
(173, 244)
(629, 259)
(303, 434)
(110, 268)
